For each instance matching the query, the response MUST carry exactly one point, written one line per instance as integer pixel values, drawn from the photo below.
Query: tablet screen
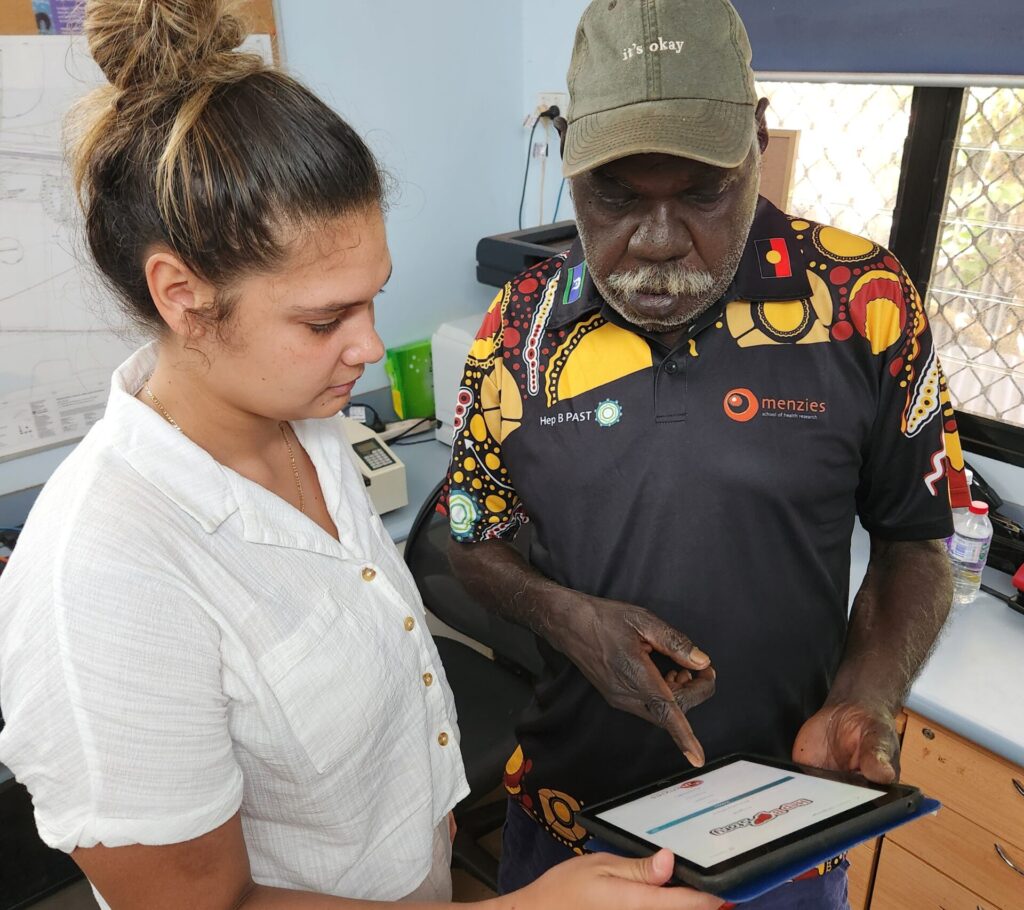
(734, 809)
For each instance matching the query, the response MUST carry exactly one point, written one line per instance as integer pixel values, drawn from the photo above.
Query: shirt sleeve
(480, 500)
(913, 469)
(116, 715)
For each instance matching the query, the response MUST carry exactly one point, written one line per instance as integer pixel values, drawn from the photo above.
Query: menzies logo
(762, 818)
(743, 405)
(740, 405)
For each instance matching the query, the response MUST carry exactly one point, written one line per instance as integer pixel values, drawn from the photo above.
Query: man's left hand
(849, 736)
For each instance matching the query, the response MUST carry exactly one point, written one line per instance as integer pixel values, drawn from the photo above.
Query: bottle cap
(979, 508)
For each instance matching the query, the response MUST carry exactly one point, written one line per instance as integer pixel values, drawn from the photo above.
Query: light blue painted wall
(437, 91)
(548, 33)
(435, 88)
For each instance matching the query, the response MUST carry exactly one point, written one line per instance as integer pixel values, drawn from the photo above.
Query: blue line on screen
(725, 802)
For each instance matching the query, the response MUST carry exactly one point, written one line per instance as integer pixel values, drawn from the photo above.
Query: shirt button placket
(670, 388)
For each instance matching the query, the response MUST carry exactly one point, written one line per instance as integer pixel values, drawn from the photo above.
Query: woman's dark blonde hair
(203, 149)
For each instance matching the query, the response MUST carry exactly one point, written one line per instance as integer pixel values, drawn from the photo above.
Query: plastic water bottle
(968, 550)
(961, 510)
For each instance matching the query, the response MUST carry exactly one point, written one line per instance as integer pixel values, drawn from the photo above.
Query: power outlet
(558, 99)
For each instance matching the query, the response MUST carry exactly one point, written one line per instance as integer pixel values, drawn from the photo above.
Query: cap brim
(715, 132)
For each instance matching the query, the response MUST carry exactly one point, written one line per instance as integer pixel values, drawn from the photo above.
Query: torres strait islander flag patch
(773, 257)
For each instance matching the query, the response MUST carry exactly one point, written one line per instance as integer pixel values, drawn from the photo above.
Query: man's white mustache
(670, 280)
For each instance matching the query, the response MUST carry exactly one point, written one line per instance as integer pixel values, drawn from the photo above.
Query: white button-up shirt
(176, 643)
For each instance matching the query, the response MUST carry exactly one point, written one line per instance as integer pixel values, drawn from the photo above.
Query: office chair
(29, 870)
(489, 694)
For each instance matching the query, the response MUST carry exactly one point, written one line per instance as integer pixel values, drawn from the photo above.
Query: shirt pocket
(331, 682)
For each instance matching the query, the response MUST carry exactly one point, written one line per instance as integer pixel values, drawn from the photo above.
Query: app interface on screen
(734, 809)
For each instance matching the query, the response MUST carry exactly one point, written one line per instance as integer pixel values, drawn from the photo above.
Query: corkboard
(17, 18)
(778, 165)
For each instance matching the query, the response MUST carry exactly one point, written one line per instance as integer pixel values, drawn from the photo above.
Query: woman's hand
(606, 882)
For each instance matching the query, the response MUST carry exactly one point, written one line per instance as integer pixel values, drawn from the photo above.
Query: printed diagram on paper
(56, 350)
(61, 333)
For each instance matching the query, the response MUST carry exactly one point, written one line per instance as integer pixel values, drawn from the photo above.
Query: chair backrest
(426, 555)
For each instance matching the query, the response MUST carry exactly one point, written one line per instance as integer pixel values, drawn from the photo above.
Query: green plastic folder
(411, 372)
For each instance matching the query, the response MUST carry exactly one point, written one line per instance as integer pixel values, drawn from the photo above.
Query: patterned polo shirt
(715, 483)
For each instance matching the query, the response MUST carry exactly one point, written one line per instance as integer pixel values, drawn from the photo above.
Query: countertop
(973, 683)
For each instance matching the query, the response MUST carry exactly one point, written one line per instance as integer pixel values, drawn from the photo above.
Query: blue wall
(548, 33)
(435, 89)
(440, 91)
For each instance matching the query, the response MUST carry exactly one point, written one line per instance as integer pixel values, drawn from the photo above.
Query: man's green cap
(670, 76)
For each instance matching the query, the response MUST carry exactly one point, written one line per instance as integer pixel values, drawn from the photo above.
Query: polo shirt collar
(773, 267)
(576, 295)
(165, 457)
(757, 278)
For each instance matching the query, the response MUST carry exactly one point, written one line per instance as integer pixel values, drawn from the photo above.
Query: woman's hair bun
(164, 44)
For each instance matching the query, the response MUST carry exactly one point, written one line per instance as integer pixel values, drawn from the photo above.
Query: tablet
(744, 818)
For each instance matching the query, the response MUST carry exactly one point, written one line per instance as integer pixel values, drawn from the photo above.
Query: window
(975, 298)
(850, 152)
(936, 173)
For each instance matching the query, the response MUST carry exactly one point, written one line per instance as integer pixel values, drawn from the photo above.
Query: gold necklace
(295, 469)
(291, 454)
(159, 406)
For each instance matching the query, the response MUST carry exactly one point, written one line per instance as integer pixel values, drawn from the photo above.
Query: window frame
(924, 179)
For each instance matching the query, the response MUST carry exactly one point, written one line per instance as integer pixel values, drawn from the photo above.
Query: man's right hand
(610, 641)
(611, 644)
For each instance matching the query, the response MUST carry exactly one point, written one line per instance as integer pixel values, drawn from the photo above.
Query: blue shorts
(528, 851)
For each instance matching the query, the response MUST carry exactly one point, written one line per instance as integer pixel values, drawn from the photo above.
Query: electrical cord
(558, 201)
(526, 174)
(378, 425)
(415, 442)
(414, 429)
(549, 114)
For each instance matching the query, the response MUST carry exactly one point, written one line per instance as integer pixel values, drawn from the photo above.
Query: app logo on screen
(685, 785)
(761, 818)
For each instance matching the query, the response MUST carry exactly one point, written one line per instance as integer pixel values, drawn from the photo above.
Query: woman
(216, 676)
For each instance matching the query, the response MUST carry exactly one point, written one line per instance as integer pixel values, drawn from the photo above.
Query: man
(691, 407)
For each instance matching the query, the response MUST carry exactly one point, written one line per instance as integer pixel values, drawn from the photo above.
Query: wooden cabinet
(965, 778)
(862, 870)
(903, 882)
(959, 859)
